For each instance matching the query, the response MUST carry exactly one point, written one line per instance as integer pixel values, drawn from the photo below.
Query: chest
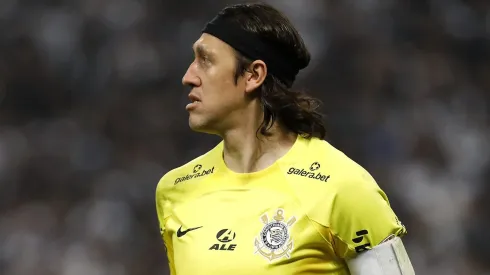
(243, 231)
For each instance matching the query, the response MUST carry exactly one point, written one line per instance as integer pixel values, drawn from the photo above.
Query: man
(272, 197)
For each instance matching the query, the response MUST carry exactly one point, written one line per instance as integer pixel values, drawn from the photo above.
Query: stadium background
(92, 114)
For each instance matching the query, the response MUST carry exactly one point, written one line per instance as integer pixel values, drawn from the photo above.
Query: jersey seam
(329, 228)
(310, 220)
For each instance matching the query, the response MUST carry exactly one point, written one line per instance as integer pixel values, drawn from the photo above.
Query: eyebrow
(201, 51)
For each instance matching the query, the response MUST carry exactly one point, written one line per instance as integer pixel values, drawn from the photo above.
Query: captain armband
(387, 258)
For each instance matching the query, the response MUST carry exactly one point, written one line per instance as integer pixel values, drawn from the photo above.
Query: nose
(190, 77)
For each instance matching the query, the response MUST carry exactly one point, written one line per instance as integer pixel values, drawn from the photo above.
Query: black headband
(254, 48)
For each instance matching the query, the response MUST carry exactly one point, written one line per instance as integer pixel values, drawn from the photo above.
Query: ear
(255, 75)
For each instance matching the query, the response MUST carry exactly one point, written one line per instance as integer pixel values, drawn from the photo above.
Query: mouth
(194, 98)
(195, 101)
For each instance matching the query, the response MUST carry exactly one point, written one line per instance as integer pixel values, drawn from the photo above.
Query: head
(253, 70)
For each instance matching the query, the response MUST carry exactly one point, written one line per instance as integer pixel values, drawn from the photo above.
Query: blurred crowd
(92, 115)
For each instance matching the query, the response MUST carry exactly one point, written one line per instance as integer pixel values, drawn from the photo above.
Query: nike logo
(181, 233)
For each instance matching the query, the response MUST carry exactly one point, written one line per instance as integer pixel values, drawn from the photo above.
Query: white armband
(388, 258)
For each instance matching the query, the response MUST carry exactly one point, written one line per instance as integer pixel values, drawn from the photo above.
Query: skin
(229, 109)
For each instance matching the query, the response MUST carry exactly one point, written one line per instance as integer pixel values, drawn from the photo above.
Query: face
(215, 97)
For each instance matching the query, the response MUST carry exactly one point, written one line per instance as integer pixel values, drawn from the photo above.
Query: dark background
(92, 115)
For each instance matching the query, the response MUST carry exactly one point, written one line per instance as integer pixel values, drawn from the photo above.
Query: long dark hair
(294, 110)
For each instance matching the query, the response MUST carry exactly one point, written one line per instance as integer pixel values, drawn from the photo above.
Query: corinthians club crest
(274, 241)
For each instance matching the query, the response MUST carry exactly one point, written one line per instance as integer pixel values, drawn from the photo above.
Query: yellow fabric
(305, 214)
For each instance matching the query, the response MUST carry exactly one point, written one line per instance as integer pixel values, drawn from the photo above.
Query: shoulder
(326, 180)
(349, 181)
(341, 165)
(193, 170)
(349, 204)
(318, 160)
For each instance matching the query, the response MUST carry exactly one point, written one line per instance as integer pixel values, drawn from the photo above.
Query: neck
(247, 152)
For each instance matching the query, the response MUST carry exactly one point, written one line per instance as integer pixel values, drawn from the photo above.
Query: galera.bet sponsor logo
(312, 174)
(196, 173)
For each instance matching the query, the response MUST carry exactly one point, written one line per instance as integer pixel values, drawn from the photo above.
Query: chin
(197, 125)
(196, 128)
(201, 126)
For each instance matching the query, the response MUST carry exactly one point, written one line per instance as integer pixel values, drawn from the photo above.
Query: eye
(204, 60)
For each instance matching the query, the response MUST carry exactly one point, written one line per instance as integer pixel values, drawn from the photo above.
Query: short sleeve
(159, 200)
(167, 241)
(361, 218)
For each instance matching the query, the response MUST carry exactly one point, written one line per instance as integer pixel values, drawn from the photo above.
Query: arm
(366, 231)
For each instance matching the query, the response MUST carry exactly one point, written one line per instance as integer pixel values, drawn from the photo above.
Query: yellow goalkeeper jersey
(305, 214)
